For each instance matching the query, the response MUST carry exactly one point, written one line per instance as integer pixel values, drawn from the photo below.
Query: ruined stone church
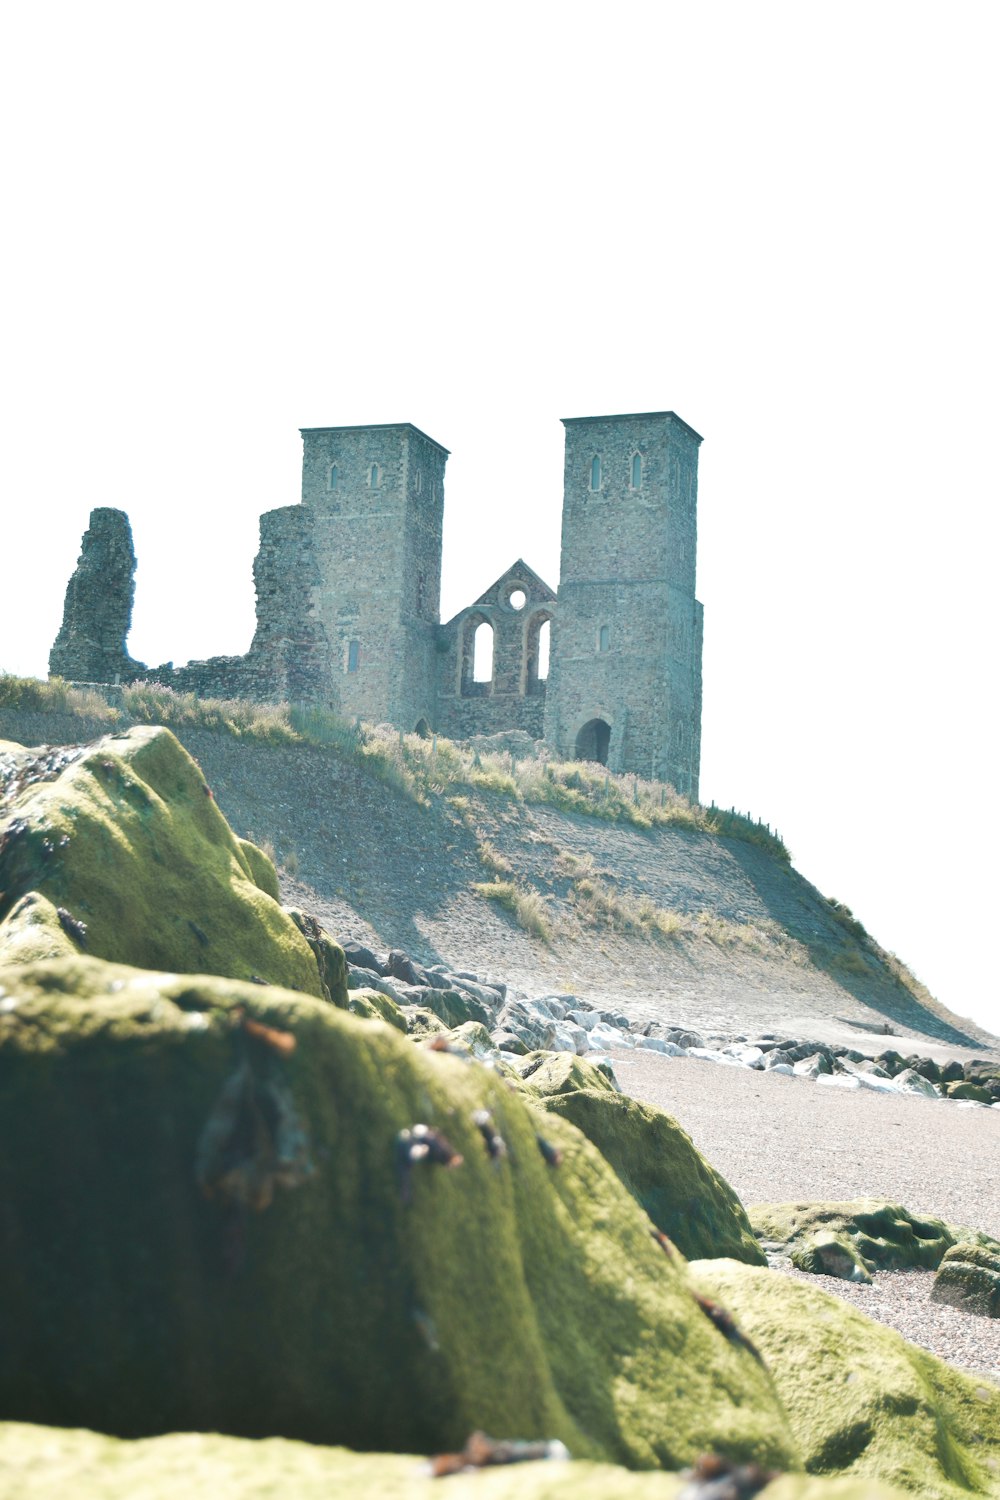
(348, 591)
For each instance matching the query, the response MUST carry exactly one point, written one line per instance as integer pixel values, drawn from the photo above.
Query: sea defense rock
(969, 1277)
(879, 1236)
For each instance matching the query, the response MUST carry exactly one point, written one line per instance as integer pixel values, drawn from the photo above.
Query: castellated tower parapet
(625, 683)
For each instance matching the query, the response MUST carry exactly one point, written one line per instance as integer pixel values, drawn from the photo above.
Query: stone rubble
(519, 1023)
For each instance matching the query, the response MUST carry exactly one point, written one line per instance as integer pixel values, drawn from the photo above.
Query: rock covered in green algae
(826, 1253)
(129, 845)
(547, 1073)
(660, 1166)
(969, 1277)
(861, 1400)
(509, 1295)
(884, 1236)
(372, 1005)
(43, 1463)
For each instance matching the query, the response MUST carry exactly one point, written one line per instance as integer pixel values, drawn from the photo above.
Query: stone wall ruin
(348, 602)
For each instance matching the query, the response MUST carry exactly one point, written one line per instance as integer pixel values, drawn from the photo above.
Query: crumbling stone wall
(97, 614)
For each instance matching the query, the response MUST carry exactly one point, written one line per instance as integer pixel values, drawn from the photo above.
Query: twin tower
(622, 684)
(349, 585)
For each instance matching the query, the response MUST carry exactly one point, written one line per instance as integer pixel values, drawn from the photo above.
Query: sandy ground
(777, 1138)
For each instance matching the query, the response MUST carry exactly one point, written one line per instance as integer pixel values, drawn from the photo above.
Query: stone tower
(375, 498)
(625, 681)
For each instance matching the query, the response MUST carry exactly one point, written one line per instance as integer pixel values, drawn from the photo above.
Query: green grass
(421, 769)
(525, 905)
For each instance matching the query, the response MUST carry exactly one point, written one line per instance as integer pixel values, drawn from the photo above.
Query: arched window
(604, 638)
(637, 471)
(482, 653)
(595, 473)
(374, 476)
(536, 654)
(331, 477)
(543, 650)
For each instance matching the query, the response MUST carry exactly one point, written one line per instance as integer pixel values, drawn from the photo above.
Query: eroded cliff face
(97, 614)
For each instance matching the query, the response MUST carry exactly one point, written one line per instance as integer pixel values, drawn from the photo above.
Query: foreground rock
(210, 1227)
(118, 850)
(658, 1164)
(48, 1463)
(860, 1399)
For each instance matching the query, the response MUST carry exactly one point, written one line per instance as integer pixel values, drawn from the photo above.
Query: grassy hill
(558, 877)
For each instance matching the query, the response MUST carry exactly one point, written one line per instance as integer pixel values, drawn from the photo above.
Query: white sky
(226, 222)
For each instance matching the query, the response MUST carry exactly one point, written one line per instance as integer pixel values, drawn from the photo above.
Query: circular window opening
(517, 598)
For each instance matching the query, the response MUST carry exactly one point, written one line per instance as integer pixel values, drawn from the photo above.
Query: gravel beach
(778, 1139)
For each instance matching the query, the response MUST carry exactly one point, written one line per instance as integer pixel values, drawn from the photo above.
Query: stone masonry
(348, 602)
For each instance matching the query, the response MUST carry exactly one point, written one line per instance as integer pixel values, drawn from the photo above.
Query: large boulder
(861, 1400)
(121, 852)
(659, 1165)
(883, 1236)
(48, 1463)
(220, 1215)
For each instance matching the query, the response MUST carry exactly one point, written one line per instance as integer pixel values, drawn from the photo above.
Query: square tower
(376, 499)
(625, 679)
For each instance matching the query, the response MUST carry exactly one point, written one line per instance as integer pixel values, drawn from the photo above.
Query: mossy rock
(546, 1073)
(861, 1400)
(262, 871)
(372, 1005)
(884, 1236)
(656, 1160)
(474, 1036)
(969, 1277)
(128, 842)
(828, 1254)
(455, 1007)
(505, 1294)
(45, 1463)
(421, 1022)
(331, 960)
(975, 1091)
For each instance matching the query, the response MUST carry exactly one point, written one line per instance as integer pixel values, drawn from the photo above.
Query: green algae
(884, 1236)
(130, 843)
(372, 1005)
(826, 1253)
(659, 1165)
(44, 1463)
(969, 1277)
(262, 871)
(860, 1399)
(548, 1073)
(508, 1295)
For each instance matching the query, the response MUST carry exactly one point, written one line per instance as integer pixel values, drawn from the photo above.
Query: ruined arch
(593, 741)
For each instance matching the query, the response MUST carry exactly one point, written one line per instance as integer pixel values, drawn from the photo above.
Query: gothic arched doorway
(593, 740)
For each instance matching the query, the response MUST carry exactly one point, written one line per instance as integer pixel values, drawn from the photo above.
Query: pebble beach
(778, 1139)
